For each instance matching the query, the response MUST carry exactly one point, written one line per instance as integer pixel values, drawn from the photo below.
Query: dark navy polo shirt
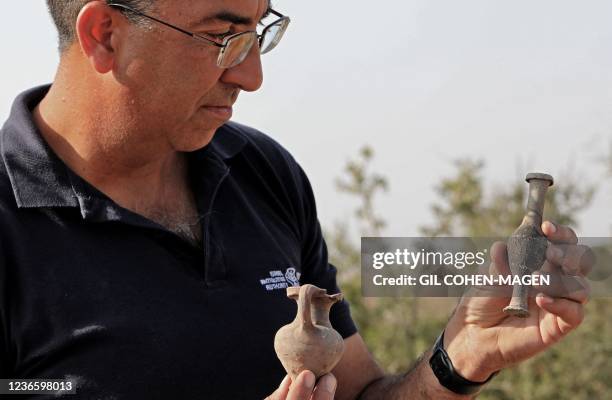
(127, 309)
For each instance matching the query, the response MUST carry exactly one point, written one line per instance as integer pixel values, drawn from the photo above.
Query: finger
(574, 288)
(281, 392)
(498, 266)
(550, 267)
(573, 259)
(326, 388)
(499, 259)
(303, 386)
(559, 233)
(569, 313)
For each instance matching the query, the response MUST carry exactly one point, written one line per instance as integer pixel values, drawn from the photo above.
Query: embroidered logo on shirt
(292, 277)
(279, 281)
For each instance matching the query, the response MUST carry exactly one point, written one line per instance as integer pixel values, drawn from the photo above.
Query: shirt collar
(39, 178)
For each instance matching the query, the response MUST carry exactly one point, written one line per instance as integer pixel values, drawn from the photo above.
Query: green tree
(464, 209)
(392, 327)
(397, 330)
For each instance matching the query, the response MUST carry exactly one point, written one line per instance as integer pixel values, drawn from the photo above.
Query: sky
(522, 85)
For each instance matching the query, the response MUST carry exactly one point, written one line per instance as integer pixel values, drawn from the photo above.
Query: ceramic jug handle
(304, 301)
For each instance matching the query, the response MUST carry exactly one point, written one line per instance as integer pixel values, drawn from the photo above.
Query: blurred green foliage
(398, 330)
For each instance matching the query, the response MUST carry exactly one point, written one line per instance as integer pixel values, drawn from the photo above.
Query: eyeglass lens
(272, 36)
(238, 47)
(236, 50)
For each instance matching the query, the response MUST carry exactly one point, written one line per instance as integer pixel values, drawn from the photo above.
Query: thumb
(498, 266)
(499, 259)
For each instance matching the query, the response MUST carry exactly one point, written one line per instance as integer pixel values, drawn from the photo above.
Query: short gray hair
(65, 13)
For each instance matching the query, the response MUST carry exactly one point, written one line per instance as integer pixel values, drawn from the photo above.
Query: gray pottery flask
(527, 245)
(309, 342)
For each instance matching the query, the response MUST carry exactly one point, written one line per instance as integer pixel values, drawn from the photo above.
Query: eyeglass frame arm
(195, 35)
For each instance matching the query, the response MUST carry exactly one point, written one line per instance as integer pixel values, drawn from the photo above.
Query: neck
(535, 201)
(88, 134)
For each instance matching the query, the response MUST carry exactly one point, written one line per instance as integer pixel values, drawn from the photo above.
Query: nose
(248, 75)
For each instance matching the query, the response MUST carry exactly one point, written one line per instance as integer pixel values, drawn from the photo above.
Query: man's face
(171, 83)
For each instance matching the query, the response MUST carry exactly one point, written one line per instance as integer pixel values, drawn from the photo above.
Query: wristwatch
(443, 369)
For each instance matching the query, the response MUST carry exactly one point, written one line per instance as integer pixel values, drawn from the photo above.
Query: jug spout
(309, 342)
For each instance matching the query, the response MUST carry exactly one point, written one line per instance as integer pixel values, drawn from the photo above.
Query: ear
(95, 27)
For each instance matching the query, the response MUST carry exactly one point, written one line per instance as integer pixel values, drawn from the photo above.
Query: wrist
(448, 376)
(470, 364)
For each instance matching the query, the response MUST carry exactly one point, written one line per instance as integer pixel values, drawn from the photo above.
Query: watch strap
(443, 369)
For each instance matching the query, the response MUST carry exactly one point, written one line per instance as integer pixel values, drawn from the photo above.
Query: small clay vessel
(309, 342)
(527, 245)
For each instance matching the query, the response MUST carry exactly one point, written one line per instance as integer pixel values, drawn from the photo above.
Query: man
(143, 234)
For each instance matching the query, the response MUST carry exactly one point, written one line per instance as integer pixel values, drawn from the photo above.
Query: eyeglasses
(234, 48)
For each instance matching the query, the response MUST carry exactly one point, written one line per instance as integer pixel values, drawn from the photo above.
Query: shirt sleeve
(316, 268)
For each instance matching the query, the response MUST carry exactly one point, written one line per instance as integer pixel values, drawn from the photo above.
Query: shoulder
(264, 153)
(9, 212)
(272, 167)
(7, 198)
(260, 143)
